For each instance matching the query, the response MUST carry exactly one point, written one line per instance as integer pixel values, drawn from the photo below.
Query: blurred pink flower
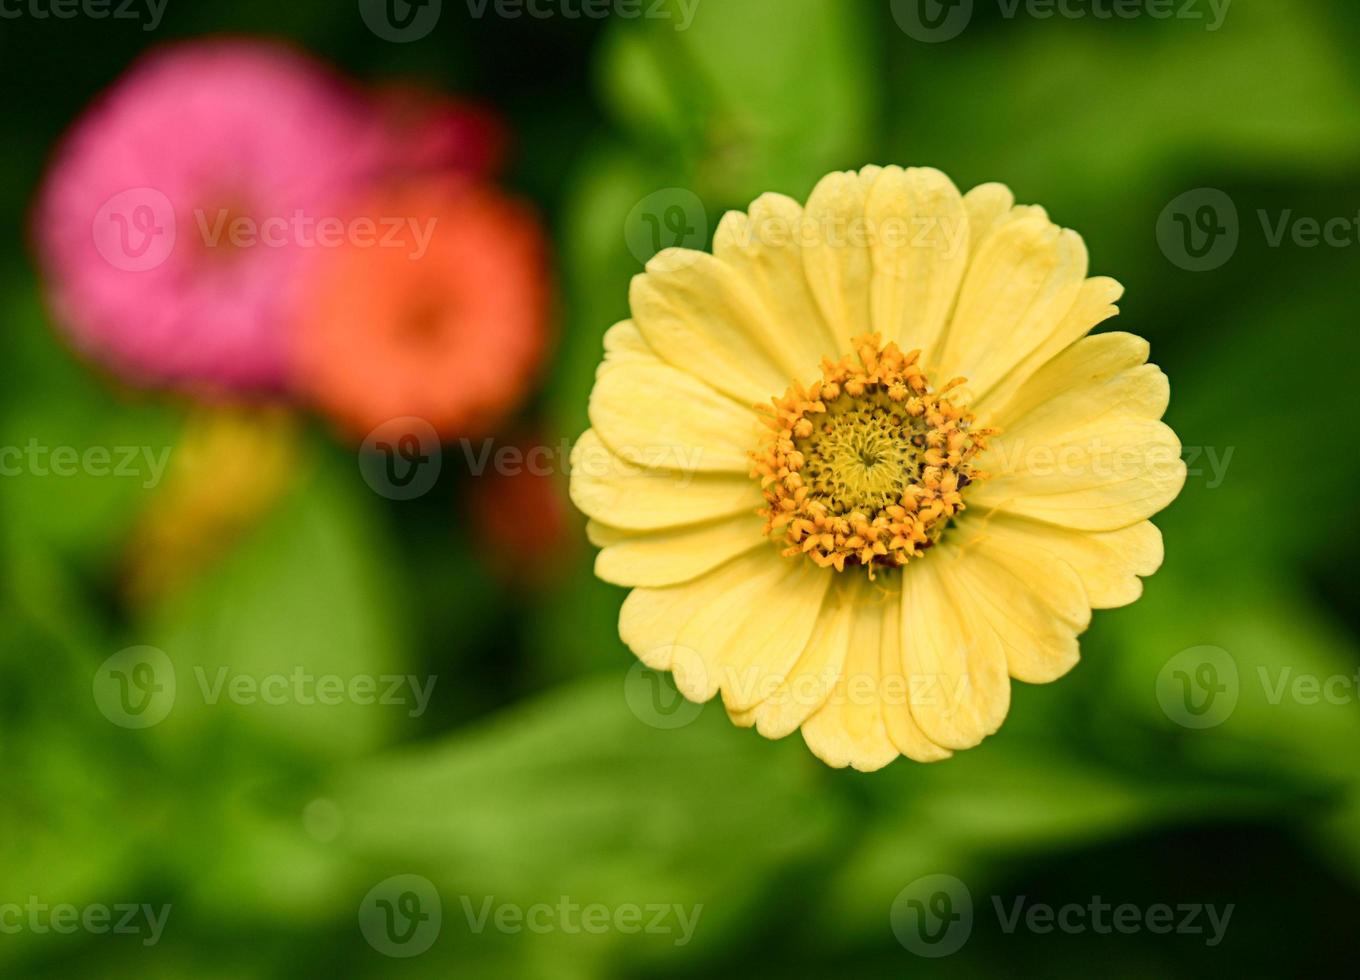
(134, 223)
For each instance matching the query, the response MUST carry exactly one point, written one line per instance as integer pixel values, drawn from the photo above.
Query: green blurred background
(533, 775)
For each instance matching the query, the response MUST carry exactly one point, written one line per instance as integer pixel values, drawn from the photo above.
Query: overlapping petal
(672, 555)
(640, 498)
(731, 629)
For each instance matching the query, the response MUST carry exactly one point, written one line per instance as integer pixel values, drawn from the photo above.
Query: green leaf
(300, 616)
(572, 795)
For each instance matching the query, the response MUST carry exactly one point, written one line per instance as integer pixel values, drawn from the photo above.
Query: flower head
(862, 465)
(446, 321)
(137, 224)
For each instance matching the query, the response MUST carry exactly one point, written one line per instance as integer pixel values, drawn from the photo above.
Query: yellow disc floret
(868, 465)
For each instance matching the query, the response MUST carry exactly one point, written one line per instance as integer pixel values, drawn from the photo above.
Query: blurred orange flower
(440, 313)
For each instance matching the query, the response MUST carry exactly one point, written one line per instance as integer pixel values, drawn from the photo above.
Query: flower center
(868, 465)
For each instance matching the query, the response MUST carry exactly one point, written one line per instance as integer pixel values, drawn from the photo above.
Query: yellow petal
(623, 341)
(1034, 602)
(960, 687)
(1108, 562)
(765, 249)
(836, 256)
(637, 498)
(985, 205)
(1081, 445)
(811, 679)
(851, 728)
(919, 233)
(1094, 305)
(701, 317)
(1096, 377)
(1096, 477)
(731, 629)
(1022, 283)
(901, 688)
(654, 415)
(674, 555)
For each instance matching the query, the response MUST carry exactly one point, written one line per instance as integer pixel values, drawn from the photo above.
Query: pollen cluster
(868, 465)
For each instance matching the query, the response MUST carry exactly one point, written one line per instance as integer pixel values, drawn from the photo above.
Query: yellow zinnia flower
(946, 476)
